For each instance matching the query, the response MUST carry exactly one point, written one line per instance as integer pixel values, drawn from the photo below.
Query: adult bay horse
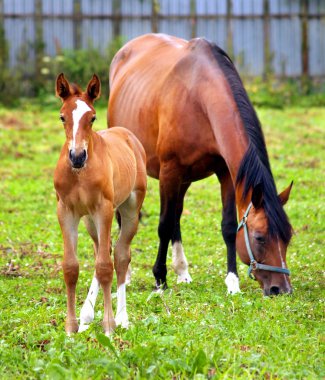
(97, 172)
(185, 102)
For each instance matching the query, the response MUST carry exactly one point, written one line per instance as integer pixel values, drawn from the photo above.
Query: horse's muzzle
(277, 290)
(77, 160)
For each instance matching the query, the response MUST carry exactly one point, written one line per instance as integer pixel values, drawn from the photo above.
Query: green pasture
(191, 331)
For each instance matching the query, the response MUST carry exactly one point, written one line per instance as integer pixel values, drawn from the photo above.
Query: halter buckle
(254, 264)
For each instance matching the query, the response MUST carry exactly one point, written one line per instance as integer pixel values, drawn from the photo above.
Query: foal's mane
(255, 166)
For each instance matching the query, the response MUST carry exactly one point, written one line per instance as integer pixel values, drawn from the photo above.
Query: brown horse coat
(186, 103)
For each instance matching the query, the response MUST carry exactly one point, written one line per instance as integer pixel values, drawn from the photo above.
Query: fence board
(238, 26)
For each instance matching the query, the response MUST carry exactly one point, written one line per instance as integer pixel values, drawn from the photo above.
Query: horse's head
(77, 115)
(263, 250)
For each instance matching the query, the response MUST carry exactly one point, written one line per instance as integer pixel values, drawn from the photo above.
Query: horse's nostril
(274, 290)
(78, 161)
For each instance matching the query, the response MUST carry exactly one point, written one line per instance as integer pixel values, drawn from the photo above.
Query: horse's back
(156, 91)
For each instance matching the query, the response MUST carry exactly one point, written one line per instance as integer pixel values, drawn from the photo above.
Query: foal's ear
(284, 196)
(93, 88)
(62, 88)
(257, 196)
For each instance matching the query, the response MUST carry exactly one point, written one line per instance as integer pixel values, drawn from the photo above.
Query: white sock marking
(128, 275)
(121, 313)
(180, 263)
(77, 114)
(232, 283)
(87, 312)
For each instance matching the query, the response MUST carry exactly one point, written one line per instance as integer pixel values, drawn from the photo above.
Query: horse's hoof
(160, 286)
(83, 327)
(71, 327)
(122, 320)
(109, 327)
(232, 283)
(184, 278)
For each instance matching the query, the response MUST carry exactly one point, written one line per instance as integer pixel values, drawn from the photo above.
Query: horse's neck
(232, 141)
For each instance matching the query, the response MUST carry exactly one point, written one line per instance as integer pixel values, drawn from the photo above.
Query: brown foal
(97, 172)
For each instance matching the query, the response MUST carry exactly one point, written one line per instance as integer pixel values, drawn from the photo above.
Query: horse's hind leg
(180, 264)
(229, 230)
(87, 312)
(129, 214)
(170, 184)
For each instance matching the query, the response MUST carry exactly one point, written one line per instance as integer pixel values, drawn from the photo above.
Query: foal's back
(127, 161)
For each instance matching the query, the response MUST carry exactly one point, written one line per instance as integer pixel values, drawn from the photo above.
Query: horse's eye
(93, 118)
(62, 118)
(260, 239)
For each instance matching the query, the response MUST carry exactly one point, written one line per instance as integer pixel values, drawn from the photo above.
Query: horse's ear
(284, 196)
(93, 88)
(62, 88)
(257, 195)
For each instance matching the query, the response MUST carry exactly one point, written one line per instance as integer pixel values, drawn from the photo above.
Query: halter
(253, 263)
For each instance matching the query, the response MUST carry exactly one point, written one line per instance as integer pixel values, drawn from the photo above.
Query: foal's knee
(70, 272)
(104, 271)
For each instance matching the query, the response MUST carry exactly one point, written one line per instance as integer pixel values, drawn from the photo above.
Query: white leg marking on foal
(128, 275)
(232, 283)
(180, 264)
(121, 314)
(77, 114)
(87, 312)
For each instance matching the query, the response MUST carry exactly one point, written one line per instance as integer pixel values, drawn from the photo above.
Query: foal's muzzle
(77, 160)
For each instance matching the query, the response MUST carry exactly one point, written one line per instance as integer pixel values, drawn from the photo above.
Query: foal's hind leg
(87, 312)
(180, 264)
(229, 230)
(129, 214)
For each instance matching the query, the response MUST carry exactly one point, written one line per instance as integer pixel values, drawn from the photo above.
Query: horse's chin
(76, 169)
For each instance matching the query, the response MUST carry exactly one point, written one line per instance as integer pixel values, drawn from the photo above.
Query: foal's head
(77, 115)
(265, 245)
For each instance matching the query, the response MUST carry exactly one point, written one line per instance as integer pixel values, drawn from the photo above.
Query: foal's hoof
(71, 327)
(109, 327)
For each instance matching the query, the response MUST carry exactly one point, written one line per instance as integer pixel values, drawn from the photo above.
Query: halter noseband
(253, 263)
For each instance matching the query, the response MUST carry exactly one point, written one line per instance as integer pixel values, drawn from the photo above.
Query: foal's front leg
(104, 263)
(69, 227)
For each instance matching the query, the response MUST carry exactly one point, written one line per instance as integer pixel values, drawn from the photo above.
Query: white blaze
(77, 114)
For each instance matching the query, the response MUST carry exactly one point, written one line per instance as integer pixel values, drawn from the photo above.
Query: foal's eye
(93, 118)
(62, 118)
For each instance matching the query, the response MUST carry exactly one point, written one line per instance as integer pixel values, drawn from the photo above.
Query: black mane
(255, 166)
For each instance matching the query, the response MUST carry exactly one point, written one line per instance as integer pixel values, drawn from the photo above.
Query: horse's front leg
(229, 230)
(104, 264)
(69, 227)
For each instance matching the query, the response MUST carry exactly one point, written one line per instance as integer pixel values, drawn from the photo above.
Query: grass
(191, 331)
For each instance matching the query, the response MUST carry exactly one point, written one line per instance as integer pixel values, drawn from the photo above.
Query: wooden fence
(286, 37)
